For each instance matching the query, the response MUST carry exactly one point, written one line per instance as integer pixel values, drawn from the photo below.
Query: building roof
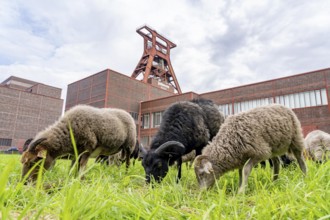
(20, 82)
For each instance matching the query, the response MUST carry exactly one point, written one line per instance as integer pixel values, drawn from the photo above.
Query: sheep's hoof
(241, 190)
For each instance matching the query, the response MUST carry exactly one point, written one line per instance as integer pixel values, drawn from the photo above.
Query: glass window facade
(295, 100)
(304, 99)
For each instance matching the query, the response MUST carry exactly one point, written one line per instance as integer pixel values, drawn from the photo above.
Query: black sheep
(185, 126)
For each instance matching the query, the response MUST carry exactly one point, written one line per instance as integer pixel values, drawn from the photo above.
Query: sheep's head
(156, 162)
(319, 153)
(204, 171)
(35, 153)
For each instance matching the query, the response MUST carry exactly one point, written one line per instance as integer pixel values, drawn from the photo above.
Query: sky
(220, 43)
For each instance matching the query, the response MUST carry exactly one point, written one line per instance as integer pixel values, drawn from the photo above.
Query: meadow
(108, 192)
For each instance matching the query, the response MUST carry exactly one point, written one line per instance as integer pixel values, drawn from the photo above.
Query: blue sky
(220, 44)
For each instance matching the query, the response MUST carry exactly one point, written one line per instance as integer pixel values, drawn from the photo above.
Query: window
(312, 98)
(226, 109)
(144, 141)
(282, 100)
(286, 101)
(302, 100)
(318, 97)
(157, 119)
(134, 115)
(5, 142)
(307, 99)
(296, 100)
(291, 100)
(237, 107)
(146, 120)
(324, 97)
(254, 103)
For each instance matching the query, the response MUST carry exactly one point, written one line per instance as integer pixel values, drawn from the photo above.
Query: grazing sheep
(318, 146)
(96, 131)
(247, 138)
(185, 126)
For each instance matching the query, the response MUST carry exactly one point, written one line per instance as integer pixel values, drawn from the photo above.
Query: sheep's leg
(83, 162)
(191, 163)
(179, 169)
(240, 173)
(276, 167)
(245, 173)
(127, 159)
(300, 159)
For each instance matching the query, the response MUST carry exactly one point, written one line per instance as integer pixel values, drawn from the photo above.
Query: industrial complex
(27, 107)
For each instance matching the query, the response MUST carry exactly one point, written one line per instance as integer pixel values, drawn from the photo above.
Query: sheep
(185, 126)
(247, 138)
(96, 131)
(318, 146)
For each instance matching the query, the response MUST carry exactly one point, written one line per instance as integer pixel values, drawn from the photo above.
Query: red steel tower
(155, 64)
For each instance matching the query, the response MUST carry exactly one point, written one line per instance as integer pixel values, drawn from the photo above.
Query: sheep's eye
(159, 164)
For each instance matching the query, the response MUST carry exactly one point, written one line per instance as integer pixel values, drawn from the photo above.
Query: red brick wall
(24, 114)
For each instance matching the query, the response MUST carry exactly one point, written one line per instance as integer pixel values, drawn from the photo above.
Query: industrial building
(153, 86)
(26, 107)
(307, 94)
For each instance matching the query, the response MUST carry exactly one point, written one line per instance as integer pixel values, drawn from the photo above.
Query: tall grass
(111, 193)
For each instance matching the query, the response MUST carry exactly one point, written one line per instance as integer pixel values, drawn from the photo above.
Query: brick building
(112, 89)
(26, 107)
(307, 94)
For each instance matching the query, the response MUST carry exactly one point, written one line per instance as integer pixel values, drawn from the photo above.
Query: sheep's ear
(27, 157)
(35, 143)
(41, 152)
(203, 164)
(172, 148)
(207, 167)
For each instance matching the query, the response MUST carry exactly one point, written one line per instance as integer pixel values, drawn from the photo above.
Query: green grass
(111, 193)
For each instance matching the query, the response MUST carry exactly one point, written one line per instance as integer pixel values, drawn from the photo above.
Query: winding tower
(155, 66)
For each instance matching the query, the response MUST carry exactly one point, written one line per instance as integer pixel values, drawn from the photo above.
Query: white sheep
(318, 145)
(247, 138)
(96, 131)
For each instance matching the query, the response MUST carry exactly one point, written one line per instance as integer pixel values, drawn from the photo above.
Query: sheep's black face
(155, 167)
